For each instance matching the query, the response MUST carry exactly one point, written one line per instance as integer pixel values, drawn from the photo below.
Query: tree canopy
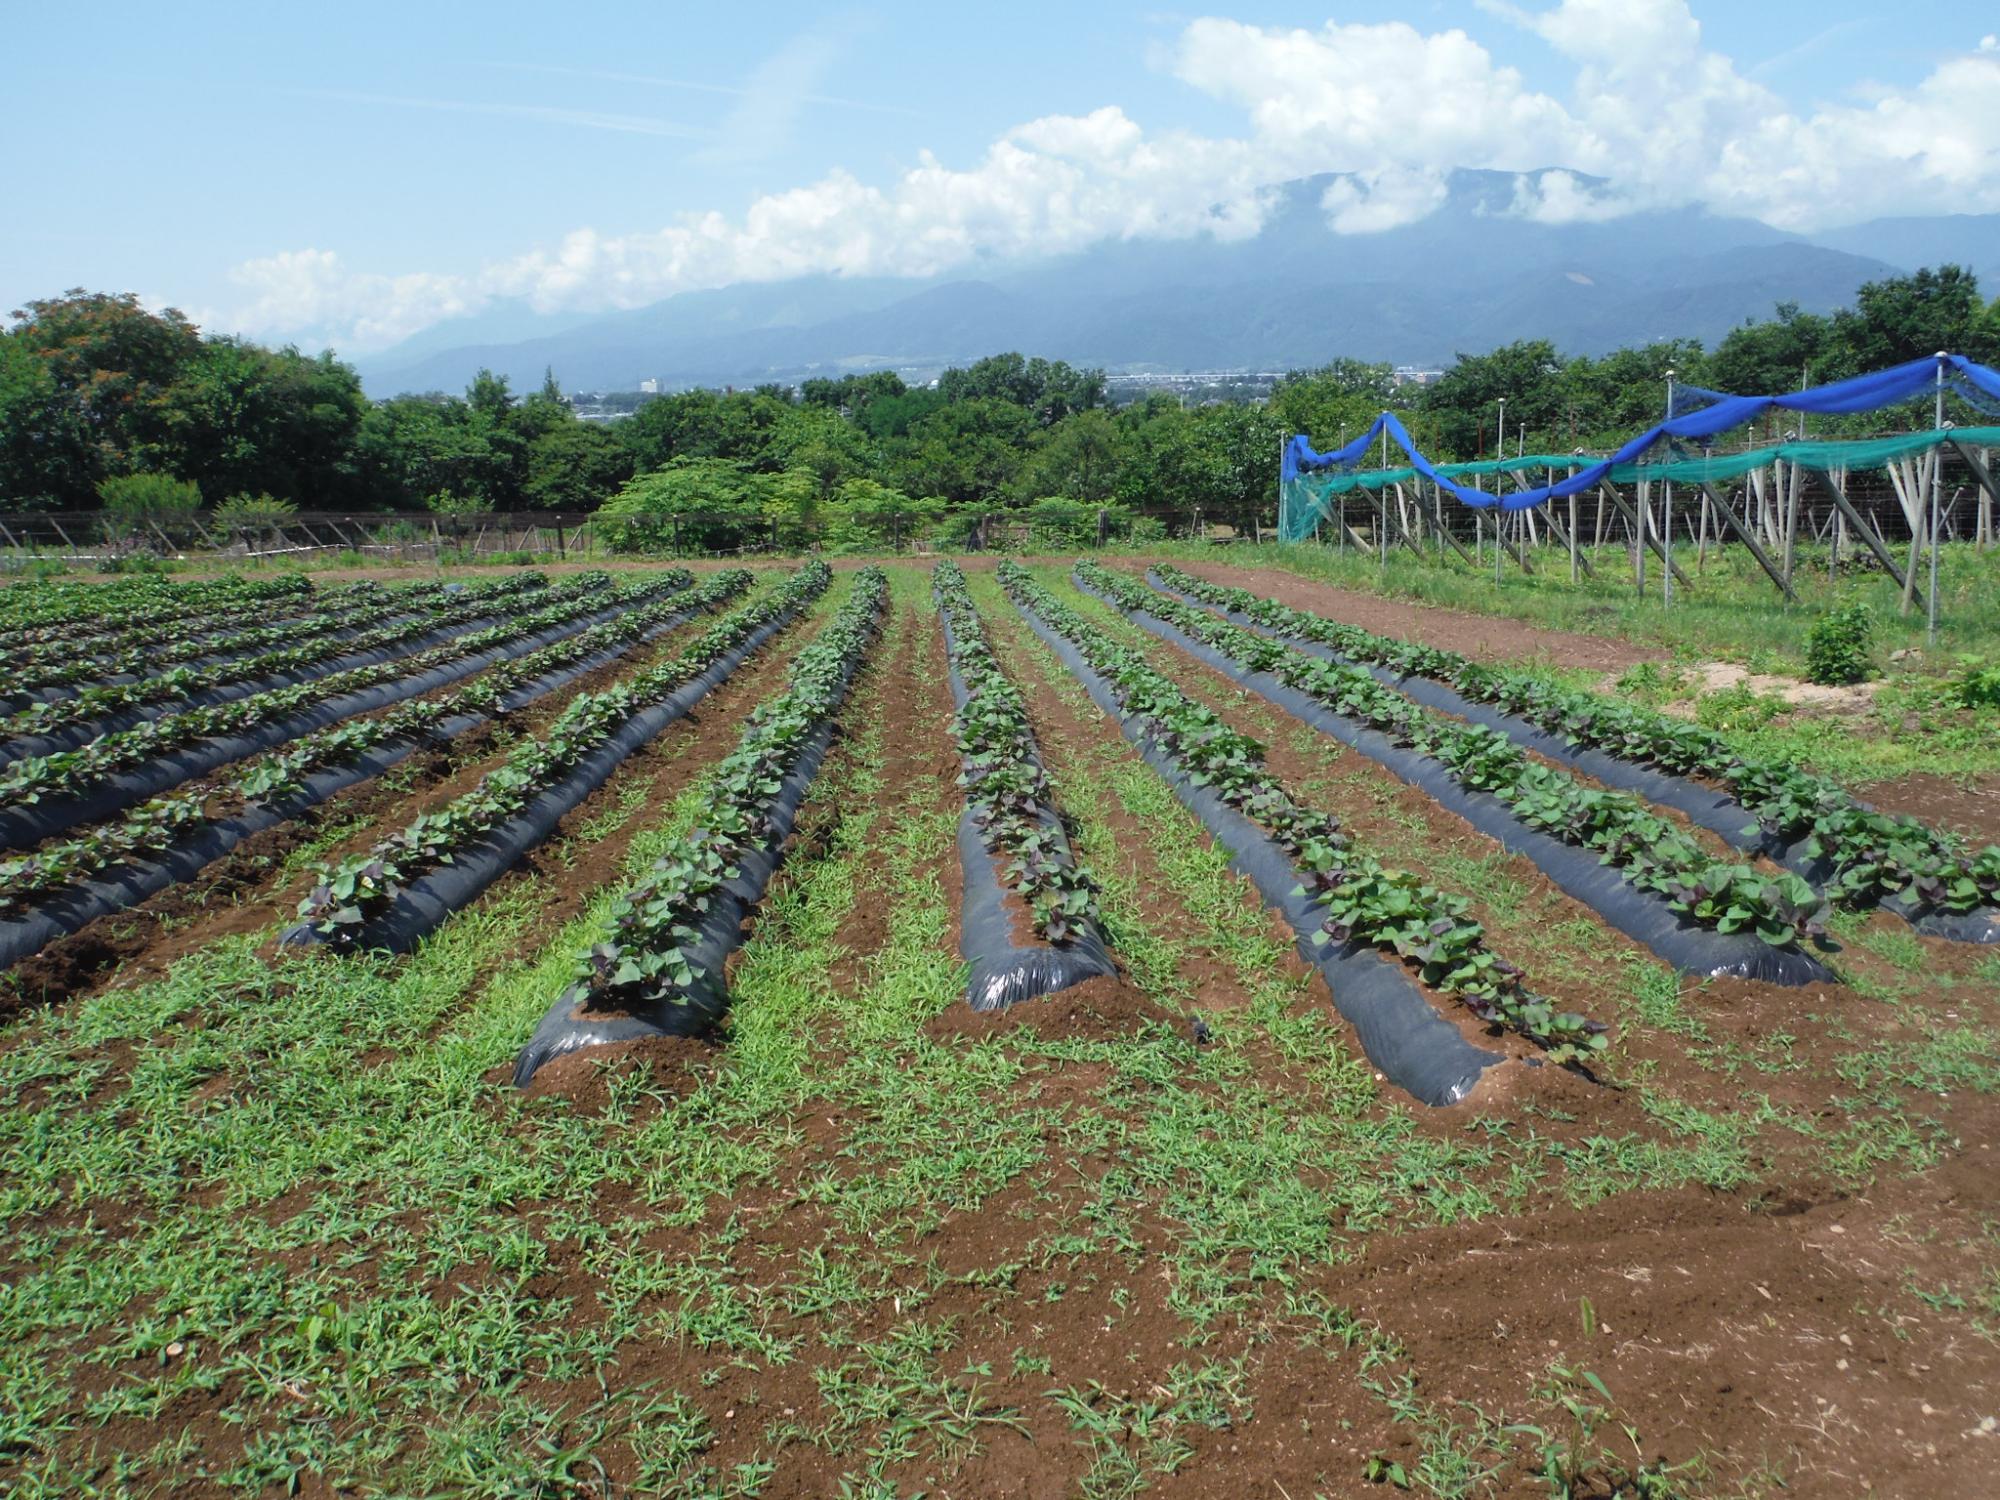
(95, 387)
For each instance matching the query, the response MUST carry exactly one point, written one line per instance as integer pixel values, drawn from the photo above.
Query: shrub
(445, 503)
(1977, 684)
(132, 501)
(1061, 524)
(1837, 646)
(254, 512)
(1738, 706)
(1649, 682)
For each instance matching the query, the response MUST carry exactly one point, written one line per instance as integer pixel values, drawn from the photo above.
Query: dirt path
(1481, 636)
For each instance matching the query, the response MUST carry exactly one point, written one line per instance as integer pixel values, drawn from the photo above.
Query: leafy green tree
(1079, 458)
(887, 417)
(815, 440)
(1337, 400)
(573, 467)
(852, 394)
(968, 451)
(113, 364)
(1763, 359)
(866, 515)
(136, 503)
(413, 447)
(1604, 401)
(47, 459)
(1901, 318)
(701, 424)
(489, 395)
(1050, 389)
(241, 418)
(719, 502)
(1463, 404)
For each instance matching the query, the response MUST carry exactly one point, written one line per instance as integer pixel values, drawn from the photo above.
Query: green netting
(1303, 502)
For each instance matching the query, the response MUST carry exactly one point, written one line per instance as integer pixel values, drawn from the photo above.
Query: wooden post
(1642, 534)
(1982, 471)
(1919, 514)
(1791, 524)
(1859, 525)
(1573, 559)
(1569, 539)
(1632, 523)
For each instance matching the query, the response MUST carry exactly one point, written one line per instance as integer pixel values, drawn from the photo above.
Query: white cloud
(761, 123)
(1564, 198)
(1370, 202)
(1642, 103)
(1367, 97)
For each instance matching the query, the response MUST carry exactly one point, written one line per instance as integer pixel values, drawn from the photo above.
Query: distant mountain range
(1467, 278)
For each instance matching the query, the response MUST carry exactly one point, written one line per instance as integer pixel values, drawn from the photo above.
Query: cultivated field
(1153, 1025)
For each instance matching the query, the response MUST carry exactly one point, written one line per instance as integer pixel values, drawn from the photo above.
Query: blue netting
(1722, 414)
(1687, 398)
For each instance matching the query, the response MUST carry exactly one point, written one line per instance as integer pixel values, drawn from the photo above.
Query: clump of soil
(673, 1065)
(1098, 1010)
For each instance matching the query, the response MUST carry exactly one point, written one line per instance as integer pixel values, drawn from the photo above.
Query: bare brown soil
(1970, 807)
(668, 1065)
(1096, 1010)
(1791, 1333)
(1481, 636)
(249, 888)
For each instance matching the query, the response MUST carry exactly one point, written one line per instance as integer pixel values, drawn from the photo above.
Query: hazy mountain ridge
(1467, 278)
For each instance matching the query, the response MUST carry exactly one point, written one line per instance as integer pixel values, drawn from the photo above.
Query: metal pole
(1644, 522)
(1936, 496)
(1382, 503)
(1572, 528)
(1667, 537)
(1667, 573)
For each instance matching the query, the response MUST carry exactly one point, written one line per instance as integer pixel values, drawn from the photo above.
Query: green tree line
(95, 389)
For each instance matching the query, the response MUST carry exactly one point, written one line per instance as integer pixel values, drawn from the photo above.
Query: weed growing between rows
(264, 1225)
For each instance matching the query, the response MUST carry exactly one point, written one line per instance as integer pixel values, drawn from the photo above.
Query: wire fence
(96, 539)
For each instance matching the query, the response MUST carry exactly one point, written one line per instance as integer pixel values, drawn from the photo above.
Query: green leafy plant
(1651, 853)
(1575, 1461)
(1650, 682)
(1005, 785)
(254, 512)
(1874, 856)
(1837, 645)
(1361, 901)
(1738, 707)
(31, 778)
(348, 895)
(426, 608)
(133, 501)
(655, 922)
(1976, 684)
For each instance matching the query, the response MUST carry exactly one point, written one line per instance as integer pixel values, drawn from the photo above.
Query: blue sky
(355, 173)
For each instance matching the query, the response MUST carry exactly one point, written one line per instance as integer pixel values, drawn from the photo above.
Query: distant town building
(1412, 375)
(649, 387)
